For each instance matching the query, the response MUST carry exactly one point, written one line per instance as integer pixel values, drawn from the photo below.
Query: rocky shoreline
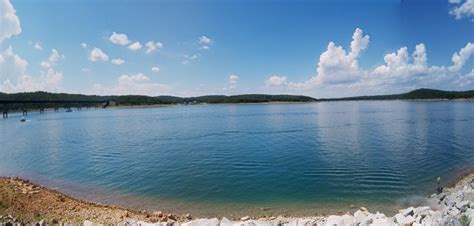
(22, 202)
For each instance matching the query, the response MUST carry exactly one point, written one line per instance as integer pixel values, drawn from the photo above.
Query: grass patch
(464, 220)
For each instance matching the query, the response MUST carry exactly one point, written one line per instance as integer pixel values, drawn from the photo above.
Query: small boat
(69, 110)
(23, 119)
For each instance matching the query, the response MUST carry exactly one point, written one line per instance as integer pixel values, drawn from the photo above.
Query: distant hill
(129, 100)
(419, 94)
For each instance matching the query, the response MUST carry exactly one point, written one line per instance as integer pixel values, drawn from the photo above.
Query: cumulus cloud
(84, 45)
(134, 84)
(466, 80)
(204, 42)
(135, 46)
(9, 21)
(338, 72)
(55, 56)
(45, 64)
(189, 58)
(14, 77)
(118, 61)
(155, 69)
(337, 66)
(119, 39)
(98, 55)
(276, 81)
(38, 46)
(152, 46)
(460, 58)
(232, 82)
(52, 59)
(462, 9)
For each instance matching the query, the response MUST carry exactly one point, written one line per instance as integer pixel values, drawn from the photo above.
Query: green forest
(35, 100)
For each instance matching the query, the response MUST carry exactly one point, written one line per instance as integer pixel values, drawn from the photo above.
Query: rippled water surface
(210, 159)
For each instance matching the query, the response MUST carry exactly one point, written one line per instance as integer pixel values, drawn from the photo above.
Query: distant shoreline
(258, 103)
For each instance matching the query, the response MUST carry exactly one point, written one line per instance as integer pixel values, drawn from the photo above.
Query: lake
(231, 159)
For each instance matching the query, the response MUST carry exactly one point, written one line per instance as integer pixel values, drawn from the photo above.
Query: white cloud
(152, 46)
(86, 70)
(189, 58)
(337, 66)
(338, 73)
(45, 64)
(460, 58)
(155, 69)
(117, 61)
(55, 56)
(135, 46)
(38, 46)
(466, 80)
(204, 40)
(9, 21)
(14, 77)
(233, 81)
(275, 81)
(98, 55)
(52, 59)
(135, 84)
(462, 9)
(400, 69)
(119, 39)
(84, 45)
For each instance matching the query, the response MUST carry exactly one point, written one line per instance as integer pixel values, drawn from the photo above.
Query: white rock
(404, 220)
(360, 216)
(462, 205)
(382, 222)
(408, 211)
(292, 222)
(452, 222)
(418, 219)
(89, 223)
(305, 222)
(226, 222)
(333, 220)
(436, 217)
(454, 211)
(427, 221)
(202, 222)
(409, 220)
(142, 223)
(246, 218)
(422, 210)
(347, 219)
(260, 223)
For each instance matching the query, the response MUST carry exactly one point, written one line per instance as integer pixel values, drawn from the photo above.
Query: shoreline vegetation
(24, 202)
(44, 100)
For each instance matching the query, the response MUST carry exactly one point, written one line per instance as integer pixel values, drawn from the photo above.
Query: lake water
(209, 160)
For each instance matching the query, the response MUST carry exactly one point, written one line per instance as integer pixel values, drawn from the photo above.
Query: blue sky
(316, 48)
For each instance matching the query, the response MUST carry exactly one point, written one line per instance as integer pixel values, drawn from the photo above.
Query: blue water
(285, 157)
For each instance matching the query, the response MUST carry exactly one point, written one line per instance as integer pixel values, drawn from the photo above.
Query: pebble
(246, 218)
